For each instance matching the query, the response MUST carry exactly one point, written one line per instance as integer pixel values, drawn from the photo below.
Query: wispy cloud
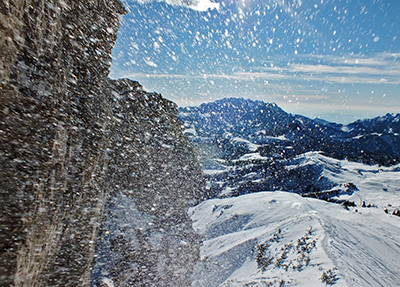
(198, 5)
(354, 69)
(155, 76)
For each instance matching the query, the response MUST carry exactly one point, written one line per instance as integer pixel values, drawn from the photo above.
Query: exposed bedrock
(59, 125)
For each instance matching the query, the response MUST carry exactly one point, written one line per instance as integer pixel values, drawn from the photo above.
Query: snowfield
(375, 185)
(283, 239)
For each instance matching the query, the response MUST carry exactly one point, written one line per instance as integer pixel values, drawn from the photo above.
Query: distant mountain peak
(371, 140)
(235, 105)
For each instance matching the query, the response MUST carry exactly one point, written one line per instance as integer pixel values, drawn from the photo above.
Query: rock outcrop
(55, 56)
(148, 239)
(58, 130)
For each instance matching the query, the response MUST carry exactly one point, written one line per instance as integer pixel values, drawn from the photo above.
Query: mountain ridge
(281, 212)
(370, 141)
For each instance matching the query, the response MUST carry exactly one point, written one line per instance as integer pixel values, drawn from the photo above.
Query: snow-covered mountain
(283, 239)
(217, 126)
(288, 203)
(250, 146)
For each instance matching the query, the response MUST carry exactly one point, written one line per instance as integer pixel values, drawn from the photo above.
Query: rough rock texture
(148, 239)
(55, 140)
(53, 118)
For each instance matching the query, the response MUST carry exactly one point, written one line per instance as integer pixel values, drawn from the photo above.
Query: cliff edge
(60, 127)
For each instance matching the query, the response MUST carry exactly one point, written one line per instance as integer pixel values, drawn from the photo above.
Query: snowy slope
(363, 243)
(258, 160)
(311, 174)
(375, 185)
(363, 246)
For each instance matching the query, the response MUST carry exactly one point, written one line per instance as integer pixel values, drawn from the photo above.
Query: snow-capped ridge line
(334, 237)
(369, 141)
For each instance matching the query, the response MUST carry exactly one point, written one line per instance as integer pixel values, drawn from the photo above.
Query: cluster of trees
(292, 255)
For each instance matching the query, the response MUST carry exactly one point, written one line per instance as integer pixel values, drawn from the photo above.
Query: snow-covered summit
(295, 201)
(282, 239)
(370, 141)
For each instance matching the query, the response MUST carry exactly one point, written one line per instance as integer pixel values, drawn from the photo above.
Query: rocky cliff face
(53, 124)
(147, 239)
(58, 129)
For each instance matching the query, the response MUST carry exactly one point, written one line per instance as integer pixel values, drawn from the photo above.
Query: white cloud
(380, 69)
(144, 75)
(353, 70)
(198, 5)
(320, 74)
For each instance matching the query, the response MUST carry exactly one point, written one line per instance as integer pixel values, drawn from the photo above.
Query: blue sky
(334, 59)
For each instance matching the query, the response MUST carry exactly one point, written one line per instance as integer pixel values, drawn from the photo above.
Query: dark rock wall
(53, 120)
(55, 141)
(150, 241)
